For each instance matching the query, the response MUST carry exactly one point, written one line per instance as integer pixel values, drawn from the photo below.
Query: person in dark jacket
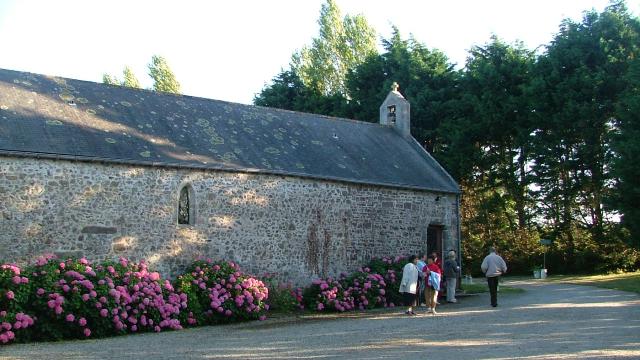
(451, 272)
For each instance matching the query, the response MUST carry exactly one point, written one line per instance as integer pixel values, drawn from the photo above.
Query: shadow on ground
(547, 321)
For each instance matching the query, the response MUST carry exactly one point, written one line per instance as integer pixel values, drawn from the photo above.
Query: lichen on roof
(85, 120)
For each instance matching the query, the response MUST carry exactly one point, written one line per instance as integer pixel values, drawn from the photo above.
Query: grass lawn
(624, 281)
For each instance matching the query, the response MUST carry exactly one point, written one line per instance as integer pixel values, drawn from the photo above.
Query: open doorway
(434, 244)
(434, 239)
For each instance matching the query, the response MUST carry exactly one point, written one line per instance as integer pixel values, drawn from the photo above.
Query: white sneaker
(429, 310)
(434, 311)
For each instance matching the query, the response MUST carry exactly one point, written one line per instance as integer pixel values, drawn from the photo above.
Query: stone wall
(296, 228)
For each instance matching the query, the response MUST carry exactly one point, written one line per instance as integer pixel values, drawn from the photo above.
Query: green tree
(626, 197)
(577, 84)
(495, 80)
(315, 80)
(163, 78)
(129, 79)
(486, 146)
(288, 92)
(285, 92)
(343, 43)
(110, 79)
(426, 77)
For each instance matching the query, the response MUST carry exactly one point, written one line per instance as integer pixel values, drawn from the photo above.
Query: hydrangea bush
(328, 294)
(367, 289)
(283, 297)
(15, 289)
(220, 292)
(391, 270)
(73, 298)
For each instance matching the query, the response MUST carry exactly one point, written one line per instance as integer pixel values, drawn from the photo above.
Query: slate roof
(71, 119)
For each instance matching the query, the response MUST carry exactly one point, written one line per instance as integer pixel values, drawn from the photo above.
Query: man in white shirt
(493, 266)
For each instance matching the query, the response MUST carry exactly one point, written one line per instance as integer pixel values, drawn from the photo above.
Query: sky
(229, 50)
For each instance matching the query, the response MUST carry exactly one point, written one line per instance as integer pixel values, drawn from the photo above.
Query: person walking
(409, 284)
(432, 284)
(451, 272)
(493, 266)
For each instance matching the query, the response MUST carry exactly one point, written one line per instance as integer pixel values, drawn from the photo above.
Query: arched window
(186, 205)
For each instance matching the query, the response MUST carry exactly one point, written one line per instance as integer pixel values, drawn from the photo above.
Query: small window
(186, 204)
(391, 115)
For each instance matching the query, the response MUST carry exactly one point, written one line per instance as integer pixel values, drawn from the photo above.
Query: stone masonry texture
(298, 229)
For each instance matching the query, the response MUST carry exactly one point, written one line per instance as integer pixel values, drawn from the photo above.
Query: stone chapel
(103, 171)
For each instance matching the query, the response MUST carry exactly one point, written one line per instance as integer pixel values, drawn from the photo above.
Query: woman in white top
(409, 284)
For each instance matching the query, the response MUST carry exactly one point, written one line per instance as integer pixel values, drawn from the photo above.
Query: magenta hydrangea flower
(13, 268)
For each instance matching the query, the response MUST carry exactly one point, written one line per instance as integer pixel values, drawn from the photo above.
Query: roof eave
(88, 159)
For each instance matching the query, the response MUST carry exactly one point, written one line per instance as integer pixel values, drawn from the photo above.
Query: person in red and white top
(432, 284)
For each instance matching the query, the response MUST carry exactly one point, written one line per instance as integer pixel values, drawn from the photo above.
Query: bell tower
(395, 111)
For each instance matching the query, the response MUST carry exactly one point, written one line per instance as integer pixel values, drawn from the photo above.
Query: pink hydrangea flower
(87, 332)
(10, 295)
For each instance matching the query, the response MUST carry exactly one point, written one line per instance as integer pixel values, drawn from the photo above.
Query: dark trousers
(493, 289)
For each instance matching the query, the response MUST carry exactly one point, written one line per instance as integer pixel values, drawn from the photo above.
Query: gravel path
(547, 321)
